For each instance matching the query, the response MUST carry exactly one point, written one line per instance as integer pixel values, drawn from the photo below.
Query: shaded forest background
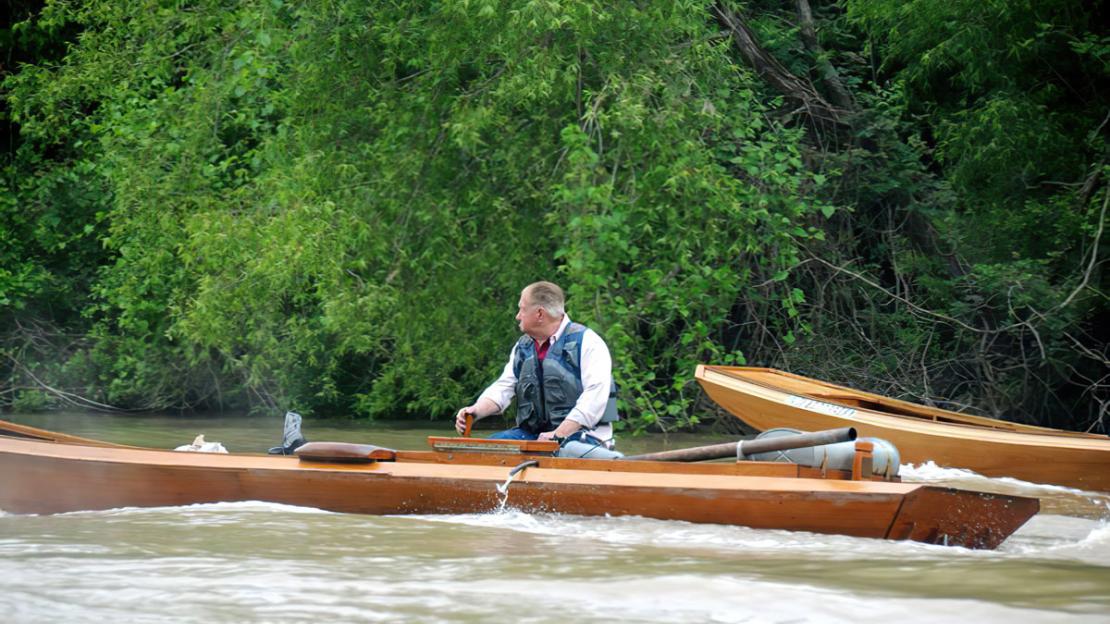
(331, 205)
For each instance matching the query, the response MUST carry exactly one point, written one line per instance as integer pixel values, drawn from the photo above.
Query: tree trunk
(829, 76)
(822, 114)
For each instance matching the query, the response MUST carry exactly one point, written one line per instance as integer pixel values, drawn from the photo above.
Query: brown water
(261, 562)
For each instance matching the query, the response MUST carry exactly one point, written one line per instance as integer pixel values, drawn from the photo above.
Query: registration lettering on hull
(821, 407)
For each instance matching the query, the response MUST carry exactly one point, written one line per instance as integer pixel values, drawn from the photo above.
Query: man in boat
(560, 372)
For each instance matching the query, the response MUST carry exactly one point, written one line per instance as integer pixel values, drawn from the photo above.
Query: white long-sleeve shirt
(597, 379)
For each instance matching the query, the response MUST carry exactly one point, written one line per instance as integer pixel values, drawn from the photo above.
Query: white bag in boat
(885, 458)
(200, 446)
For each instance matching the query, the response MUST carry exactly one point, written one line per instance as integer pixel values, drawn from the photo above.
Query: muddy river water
(262, 562)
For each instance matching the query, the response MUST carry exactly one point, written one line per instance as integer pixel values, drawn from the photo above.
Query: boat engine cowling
(885, 458)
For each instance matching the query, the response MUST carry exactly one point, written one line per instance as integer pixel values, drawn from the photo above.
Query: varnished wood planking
(45, 477)
(1031, 454)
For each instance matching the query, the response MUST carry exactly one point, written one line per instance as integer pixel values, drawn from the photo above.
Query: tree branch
(829, 76)
(770, 69)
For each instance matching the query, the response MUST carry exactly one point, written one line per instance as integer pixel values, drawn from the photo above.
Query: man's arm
(493, 399)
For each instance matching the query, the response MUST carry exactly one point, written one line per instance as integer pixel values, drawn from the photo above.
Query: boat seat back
(344, 452)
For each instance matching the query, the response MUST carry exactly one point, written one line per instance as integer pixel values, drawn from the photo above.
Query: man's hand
(460, 418)
(568, 427)
(484, 407)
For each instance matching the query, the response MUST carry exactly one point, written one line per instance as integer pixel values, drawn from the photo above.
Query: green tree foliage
(332, 205)
(48, 245)
(966, 267)
(1010, 101)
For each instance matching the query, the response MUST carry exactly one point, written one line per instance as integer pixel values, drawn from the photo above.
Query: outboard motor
(291, 437)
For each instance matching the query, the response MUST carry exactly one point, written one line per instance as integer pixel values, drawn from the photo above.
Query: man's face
(528, 316)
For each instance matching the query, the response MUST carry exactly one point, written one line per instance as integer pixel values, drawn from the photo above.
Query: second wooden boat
(40, 474)
(767, 398)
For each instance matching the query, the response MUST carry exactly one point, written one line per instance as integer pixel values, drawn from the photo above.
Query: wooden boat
(766, 398)
(41, 473)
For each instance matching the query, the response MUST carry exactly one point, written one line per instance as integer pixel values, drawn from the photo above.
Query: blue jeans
(516, 433)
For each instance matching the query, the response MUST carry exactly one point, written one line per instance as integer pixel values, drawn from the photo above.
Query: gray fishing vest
(546, 394)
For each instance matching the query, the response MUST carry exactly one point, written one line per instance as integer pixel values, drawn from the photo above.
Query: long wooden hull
(40, 476)
(767, 398)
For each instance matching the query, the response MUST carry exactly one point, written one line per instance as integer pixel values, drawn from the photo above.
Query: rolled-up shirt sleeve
(502, 391)
(597, 379)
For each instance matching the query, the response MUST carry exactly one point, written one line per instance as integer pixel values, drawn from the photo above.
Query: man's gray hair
(547, 296)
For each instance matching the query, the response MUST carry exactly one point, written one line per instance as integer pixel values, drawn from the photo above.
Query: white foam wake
(929, 472)
(237, 506)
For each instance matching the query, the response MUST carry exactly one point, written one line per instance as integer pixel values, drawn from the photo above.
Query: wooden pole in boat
(751, 447)
(469, 424)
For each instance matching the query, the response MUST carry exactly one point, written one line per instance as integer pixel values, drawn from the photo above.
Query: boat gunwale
(425, 464)
(930, 426)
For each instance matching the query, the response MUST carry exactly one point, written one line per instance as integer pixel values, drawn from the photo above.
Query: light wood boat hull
(766, 399)
(49, 477)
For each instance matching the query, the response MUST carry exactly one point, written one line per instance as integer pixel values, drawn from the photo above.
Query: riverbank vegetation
(332, 205)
